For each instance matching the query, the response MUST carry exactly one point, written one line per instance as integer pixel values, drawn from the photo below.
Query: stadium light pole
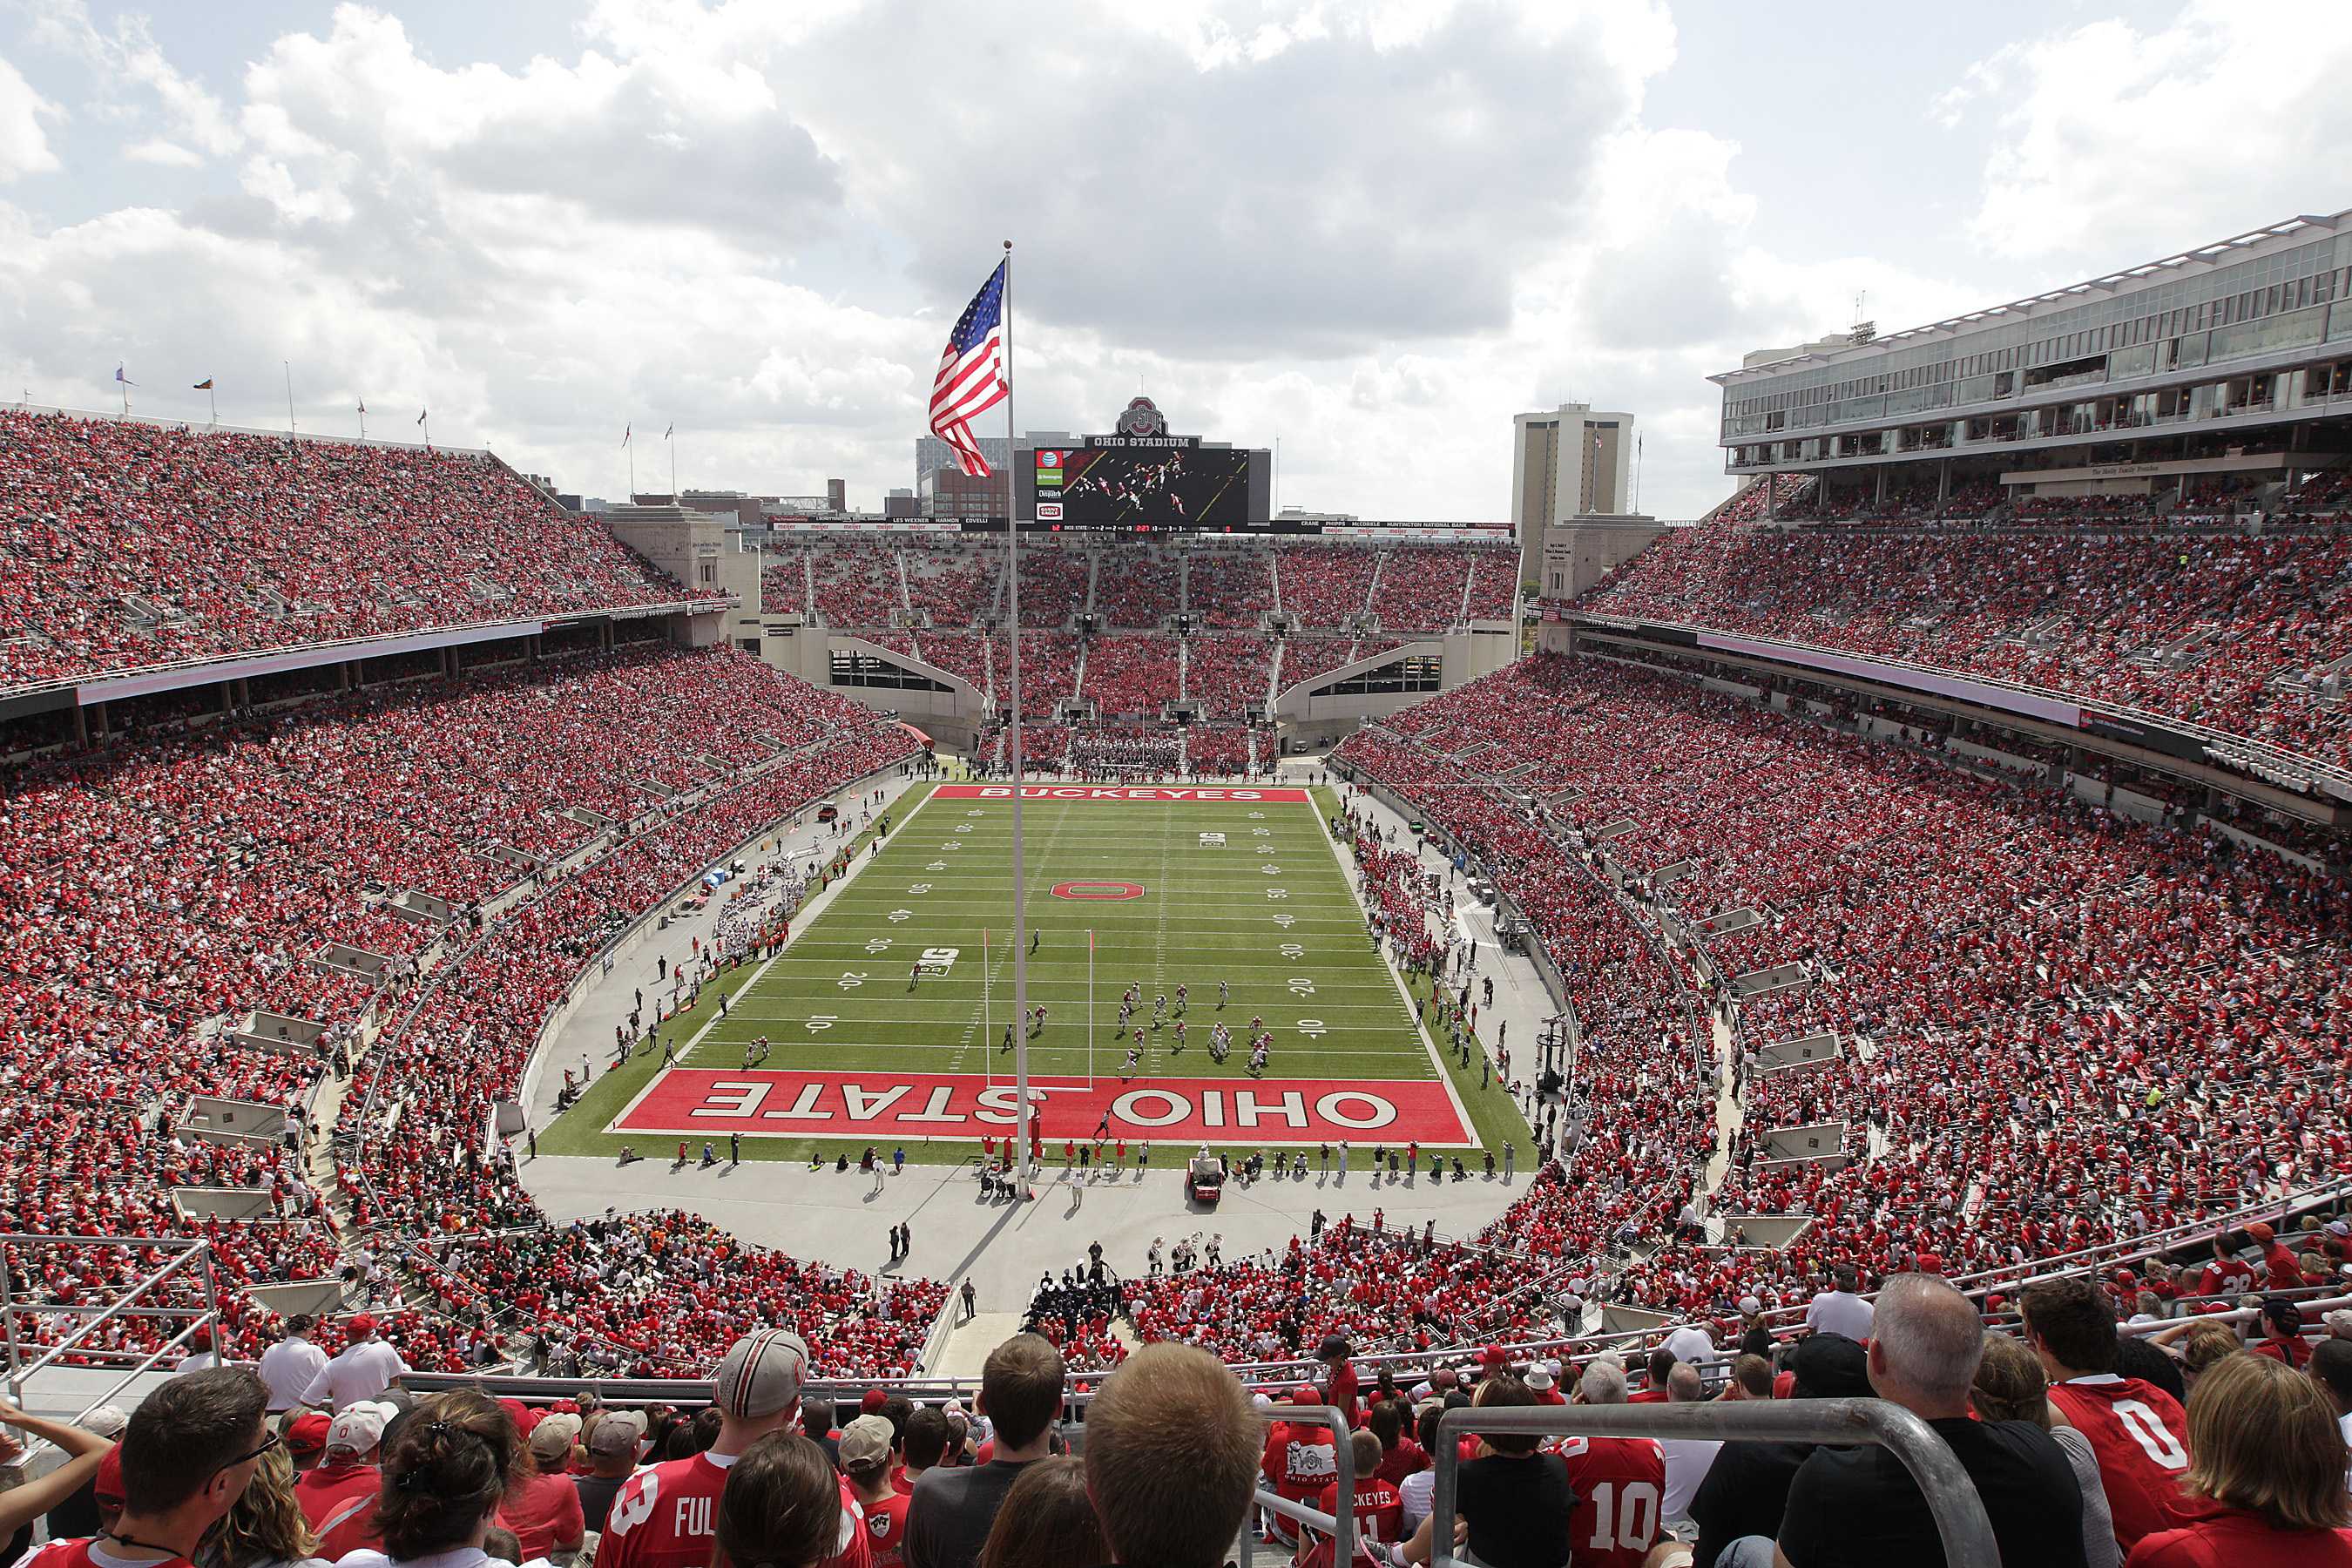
(1020, 885)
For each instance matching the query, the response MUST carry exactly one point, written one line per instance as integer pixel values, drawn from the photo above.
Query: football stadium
(1070, 1013)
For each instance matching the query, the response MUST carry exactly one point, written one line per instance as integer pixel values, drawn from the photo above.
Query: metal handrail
(1951, 1496)
(198, 1252)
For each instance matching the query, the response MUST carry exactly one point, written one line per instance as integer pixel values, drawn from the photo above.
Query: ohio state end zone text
(693, 1102)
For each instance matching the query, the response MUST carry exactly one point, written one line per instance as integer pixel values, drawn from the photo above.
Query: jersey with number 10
(2140, 1439)
(1621, 1487)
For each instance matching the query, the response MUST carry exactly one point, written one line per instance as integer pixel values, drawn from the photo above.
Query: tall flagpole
(289, 396)
(1019, 882)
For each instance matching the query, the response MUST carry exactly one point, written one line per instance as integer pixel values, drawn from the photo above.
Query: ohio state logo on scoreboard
(1140, 418)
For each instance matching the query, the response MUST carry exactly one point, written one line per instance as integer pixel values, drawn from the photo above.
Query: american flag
(972, 377)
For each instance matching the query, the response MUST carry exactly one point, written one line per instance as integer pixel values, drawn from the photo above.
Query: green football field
(1252, 895)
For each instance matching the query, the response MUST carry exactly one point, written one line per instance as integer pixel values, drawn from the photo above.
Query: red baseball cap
(309, 1433)
(1304, 1394)
(873, 1403)
(361, 1326)
(107, 1486)
(2261, 1232)
(1494, 1355)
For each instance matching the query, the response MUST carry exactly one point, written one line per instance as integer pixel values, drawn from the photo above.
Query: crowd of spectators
(133, 544)
(1137, 586)
(2214, 627)
(1325, 586)
(165, 891)
(1230, 590)
(1131, 673)
(1220, 751)
(855, 582)
(953, 585)
(1227, 673)
(1053, 584)
(2060, 1031)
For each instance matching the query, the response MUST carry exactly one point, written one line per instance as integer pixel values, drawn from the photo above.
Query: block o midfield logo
(1098, 892)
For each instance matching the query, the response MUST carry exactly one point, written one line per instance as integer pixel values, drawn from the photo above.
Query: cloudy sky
(1374, 229)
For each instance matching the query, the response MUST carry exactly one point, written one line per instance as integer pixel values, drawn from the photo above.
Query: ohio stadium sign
(907, 1107)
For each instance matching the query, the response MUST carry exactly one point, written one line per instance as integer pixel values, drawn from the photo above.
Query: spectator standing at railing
(1861, 1506)
(289, 1365)
(1301, 1458)
(664, 1517)
(361, 1370)
(1840, 1309)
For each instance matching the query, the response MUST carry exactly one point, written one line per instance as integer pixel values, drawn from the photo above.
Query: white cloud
(2133, 143)
(1374, 229)
(127, 57)
(164, 154)
(23, 146)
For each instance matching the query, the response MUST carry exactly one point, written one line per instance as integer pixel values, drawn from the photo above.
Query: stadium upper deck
(2248, 333)
(137, 547)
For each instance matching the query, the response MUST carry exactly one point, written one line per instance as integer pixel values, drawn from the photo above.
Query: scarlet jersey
(1621, 1488)
(1379, 1509)
(665, 1517)
(2140, 1437)
(2225, 1536)
(2233, 1277)
(88, 1554)
(338, 1501)
(886, 1530)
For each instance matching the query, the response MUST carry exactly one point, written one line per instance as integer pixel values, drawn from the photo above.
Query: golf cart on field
(1205, 1181)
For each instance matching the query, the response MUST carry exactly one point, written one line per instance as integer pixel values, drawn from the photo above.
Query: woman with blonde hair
(265, 1527)
(2265, 1474)
(2010, 1386)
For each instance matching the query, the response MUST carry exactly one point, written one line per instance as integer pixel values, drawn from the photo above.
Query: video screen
(1177, 486)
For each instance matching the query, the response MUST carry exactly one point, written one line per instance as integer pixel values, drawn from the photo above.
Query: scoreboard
(1173, 482)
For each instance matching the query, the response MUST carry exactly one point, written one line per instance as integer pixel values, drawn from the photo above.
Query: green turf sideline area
(1269, 912)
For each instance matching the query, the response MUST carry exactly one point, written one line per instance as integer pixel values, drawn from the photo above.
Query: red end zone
(1171, 795)
(694, 1102)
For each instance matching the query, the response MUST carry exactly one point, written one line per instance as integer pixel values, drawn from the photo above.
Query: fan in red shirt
(2227, 1276)
(1300, 1460)
(2270, 1465)
(2285, 1273)
(866, 1460)
(189, 1452)
(2282, 1338)
(665, 1517)
(1621, 1483)
(1377, 1507)
(2136, 1430)
(1340, 1377)
(338, 1498)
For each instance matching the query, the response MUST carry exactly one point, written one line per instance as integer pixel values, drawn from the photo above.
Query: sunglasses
(272, 1441)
